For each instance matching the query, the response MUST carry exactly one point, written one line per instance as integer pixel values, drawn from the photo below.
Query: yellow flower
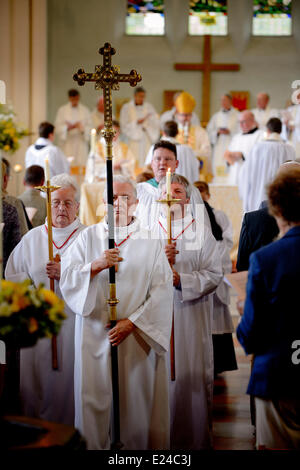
(6, 148)
(33, 325)
(7, 284)
(50, 296)
(19, 302)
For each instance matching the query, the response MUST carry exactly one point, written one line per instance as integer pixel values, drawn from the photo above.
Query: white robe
(220, 143)
(74, 142)
(144, 290)
(96, 164)
(188, 165)
(170, 115)
(263, 115)
(46, 393)
(242, 143)
(140, 136)
(292, 115)
(148, 209)
(222, 321)
(260, 168)
(58, 162)
(191, 394)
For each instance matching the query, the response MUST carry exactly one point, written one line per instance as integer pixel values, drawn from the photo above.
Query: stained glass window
(145, 18)
(208, 17)
(272, 18)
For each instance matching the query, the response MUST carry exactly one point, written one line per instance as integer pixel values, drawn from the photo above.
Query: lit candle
(168, 182)
(93, 141)
(47, 169)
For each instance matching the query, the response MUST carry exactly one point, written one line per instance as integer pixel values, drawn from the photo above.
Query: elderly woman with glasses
(46, 393)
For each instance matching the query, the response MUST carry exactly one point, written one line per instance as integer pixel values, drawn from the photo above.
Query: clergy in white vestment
(170, 114)
(241, 144)
(263, 112)
(123, 158)
(142, 333)
(222, 328)
(194, 136)
(291, 125)
(46, 393)
(222, 126)
(197, 271)
(148, 210)
(188, 164)
(73, 125)
(140, 124)
(44, 148)
(262, 164)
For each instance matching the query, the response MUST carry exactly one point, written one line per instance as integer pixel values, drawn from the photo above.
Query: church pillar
(23, 68)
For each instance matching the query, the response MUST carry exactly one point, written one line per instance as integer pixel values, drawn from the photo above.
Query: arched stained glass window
(272, 18)
(208, 17)
(145, 18)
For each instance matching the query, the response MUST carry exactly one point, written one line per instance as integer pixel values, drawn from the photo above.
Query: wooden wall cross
(206, 67)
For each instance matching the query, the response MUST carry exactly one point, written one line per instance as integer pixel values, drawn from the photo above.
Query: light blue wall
(77, 28)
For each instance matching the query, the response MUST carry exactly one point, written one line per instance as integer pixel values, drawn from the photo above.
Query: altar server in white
(73, 125)
(197, 271)
(263, 112)
(142, 334)
(241, 145)
(221, 128)
(188, 164)
(46, 393)
(262, 165)
(140, 124)
(148, 210)
(44, 147)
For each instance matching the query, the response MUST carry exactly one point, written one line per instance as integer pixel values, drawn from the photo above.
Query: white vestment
(96, 164)
(292, 116)
(260, 168)
(226, 120)
(46, 393)
(191, 394)
(148, 209)
(75, 143)
(144, 290)
(170, 115)
(140, 136)
(188, 165)
(222, 321)
(242, 143)
(35, 155)
(263, 115)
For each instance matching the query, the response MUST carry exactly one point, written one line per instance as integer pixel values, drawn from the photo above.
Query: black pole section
(115, 442)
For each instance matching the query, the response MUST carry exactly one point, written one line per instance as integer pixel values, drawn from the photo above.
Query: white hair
(65, 181)
(122, 179)
(176, 178)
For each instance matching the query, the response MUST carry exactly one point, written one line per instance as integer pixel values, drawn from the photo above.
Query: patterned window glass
(272, 18)
(145, 18)
(208, 17)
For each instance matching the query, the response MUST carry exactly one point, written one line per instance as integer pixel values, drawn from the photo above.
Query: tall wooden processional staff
(107, 78)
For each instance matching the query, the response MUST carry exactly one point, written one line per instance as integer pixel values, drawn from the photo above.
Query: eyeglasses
(66, 204)
(122, 198)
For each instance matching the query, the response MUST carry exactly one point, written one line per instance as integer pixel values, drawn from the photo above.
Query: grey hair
(122, 179)
(175, 178)
(65, 181)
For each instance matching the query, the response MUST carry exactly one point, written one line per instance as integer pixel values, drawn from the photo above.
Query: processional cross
(207, 67)
(107, 78)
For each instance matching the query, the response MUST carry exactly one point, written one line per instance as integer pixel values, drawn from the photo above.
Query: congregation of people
(176, 286)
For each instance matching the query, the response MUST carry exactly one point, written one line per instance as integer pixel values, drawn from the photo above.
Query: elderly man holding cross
(46, 393)
(142, 332)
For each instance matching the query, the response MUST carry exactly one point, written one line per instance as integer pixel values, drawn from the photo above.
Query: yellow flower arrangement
(28, 313)
(10, 132)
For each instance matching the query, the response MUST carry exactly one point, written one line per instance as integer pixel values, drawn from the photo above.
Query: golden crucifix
(107, 78)
(169, 201)
(48, 189)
